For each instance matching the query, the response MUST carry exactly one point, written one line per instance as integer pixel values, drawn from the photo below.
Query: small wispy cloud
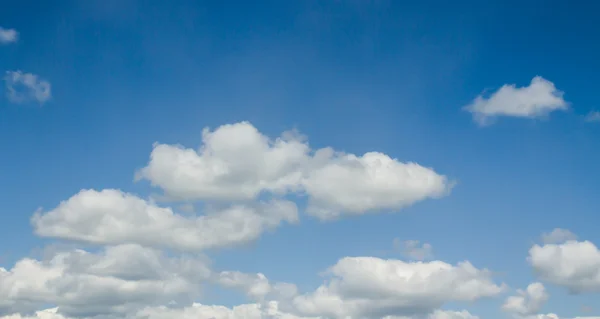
(593, 116)
(26, 87)
(414, 249)
(8, 35)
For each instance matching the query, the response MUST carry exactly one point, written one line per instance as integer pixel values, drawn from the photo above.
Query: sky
(328, 159)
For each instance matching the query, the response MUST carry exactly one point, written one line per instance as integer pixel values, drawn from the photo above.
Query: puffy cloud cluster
(369, 287)
(574, 265)
(143, 260)
(237, 162)
(116, 280)
(111, 216)
(536, 100)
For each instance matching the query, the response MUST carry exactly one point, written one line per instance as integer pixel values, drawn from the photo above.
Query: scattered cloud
(238, 163)
(414, 249)
(111, 217)
(528, 302)
(8, 35)
(26, 87)
(593, 116)
(574, 265)
(536, 100)
(558, 236)
(369, 287)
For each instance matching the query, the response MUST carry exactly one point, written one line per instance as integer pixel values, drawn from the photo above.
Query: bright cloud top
(8, 35)
(236, 162)
(26, 87)
(574, 265)
(536, 100)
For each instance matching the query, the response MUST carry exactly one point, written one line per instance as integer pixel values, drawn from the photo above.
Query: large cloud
(573, 264)
(369, 287)
(237, 162)
(113, 217)
(116, 280)
(538, 99)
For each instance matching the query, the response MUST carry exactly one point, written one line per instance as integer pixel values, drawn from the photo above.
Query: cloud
(527, 302)
(536, 100)
(238, 163)
(593, 116)
(558, 236)
(26, 87)
(8, 35)
(574, 265)
(110, 217)
(117, 280)
(414, 249)
(369, 287)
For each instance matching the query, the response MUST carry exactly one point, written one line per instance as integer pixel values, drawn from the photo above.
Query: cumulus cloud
(112, 217)
(26, 87)
(8, 35)
(116, 280)
(558, 236)
(369, 287)
(414, 249)
(536, 100)
(527, 302)
(237, 162)
(574, 265)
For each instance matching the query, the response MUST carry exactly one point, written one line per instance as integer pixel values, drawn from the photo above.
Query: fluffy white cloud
(369, 287)
(237, 162)
(527, 302)
(538, 99)
(573, 264)
(25, 87)
(8, 35)
(593, 116)
(414, 249)
(113, 217)
(558, 236)
(117, 280)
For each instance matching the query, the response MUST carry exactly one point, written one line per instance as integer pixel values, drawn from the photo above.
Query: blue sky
(358, 76)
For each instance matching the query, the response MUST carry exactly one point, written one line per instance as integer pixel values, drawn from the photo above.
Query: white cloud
(25, 87)
(536, 100)
(369, 287)
(593, 116)
(558, 236)
(527, 302)
(8, 35)
(414, 249)
(117, 280)
(574, 265)
(113, 217)
(237, 162)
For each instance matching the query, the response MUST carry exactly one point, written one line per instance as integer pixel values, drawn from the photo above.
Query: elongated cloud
(538, 99)
(236, 162)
